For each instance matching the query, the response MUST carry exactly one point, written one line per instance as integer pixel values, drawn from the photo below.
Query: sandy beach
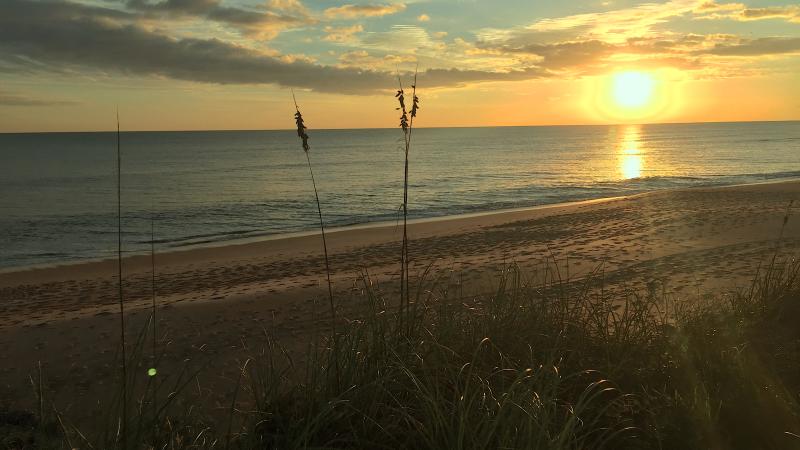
(215, 304)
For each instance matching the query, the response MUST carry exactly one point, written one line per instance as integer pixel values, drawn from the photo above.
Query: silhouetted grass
(124, 359)
(301, 133)
(407, 125)
(543, 364)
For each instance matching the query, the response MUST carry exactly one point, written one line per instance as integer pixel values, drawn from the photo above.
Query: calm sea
(58, 191)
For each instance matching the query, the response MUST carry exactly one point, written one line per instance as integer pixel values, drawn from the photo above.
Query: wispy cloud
(359, 11)
(363, 59)
(740, 12)
(341, 34)
(292, 6)
(616, 24)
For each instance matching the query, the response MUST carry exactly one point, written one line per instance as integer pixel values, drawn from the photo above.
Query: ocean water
(58, 190)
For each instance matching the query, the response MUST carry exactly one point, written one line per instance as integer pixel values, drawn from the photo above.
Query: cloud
(592, 56)
(568, 54)
(358, 11)
(616, 24)
(341, 34)
(713, 6)
(292, 6)
(581, 44)
(402, 39)
(444, 77)
(424, 18)
(740, 12)
(686, 52)
(261, 24)
(791, 13)
(62, 35)
(362, 59)
(578, 45)
(7, 99)
(52, 33)
(757, 47)
(66, 37)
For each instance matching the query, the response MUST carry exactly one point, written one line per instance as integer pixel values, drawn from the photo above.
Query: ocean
(58, 190)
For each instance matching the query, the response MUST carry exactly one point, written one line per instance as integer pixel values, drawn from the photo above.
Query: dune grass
(121, 300)
(407, 125)
(533, 363)
(301, 133)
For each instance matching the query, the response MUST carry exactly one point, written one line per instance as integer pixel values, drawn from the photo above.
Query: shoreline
(310, 233)
(378, 225)
(216, 303)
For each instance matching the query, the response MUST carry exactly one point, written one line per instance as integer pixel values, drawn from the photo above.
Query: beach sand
(216, 304)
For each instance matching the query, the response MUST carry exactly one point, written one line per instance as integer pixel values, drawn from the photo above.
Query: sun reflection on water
(630, 156)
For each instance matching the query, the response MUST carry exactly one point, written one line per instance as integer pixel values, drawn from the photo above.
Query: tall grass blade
(407, 127)
(124, 425)
(152, 371)
(301, 133)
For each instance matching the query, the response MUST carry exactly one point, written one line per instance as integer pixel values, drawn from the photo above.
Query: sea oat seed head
(301, 129)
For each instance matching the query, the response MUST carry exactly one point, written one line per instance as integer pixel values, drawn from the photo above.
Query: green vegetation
(545, 364)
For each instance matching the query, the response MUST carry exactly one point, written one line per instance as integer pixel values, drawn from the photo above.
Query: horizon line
(418, 127)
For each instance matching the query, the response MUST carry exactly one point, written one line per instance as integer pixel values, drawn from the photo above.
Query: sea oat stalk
(301, 133)
(407, 126)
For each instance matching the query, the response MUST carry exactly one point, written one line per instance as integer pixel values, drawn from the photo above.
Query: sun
(634, 95)
(632, 89)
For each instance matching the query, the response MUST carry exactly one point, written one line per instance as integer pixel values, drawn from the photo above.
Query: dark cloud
(194, 7)
(57, 36)
(566, 54)
(62, 34)
(262, 23)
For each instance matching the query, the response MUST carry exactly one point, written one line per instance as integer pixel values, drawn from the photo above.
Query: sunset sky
(229, 64)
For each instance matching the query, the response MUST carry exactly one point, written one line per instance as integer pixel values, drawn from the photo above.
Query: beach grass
(407, 125)
(535, 362)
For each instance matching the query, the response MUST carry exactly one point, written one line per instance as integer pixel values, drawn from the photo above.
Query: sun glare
(633, 89)
(630, 155)
(634, 95)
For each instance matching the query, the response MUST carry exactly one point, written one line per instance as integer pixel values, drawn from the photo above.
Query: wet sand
(216, 304)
